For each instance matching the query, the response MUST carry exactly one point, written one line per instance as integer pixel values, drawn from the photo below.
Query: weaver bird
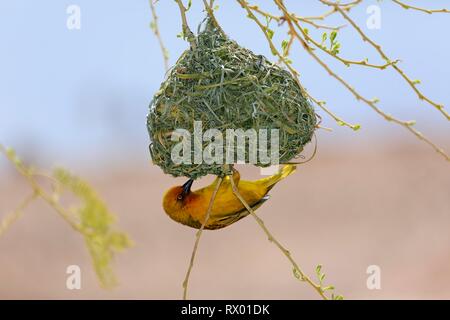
(190, 207)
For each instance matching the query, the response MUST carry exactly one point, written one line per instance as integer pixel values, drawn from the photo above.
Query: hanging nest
(226, 86)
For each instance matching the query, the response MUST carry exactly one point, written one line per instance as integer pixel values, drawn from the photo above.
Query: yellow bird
(190, 207)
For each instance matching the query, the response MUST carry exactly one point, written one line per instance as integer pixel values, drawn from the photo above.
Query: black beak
(187, 186)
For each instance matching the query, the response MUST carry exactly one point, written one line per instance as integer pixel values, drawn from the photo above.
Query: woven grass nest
(227, 87)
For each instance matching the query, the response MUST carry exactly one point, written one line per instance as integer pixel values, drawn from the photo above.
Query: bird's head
(175, 197)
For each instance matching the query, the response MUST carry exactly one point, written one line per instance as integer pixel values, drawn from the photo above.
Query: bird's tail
(286, 170)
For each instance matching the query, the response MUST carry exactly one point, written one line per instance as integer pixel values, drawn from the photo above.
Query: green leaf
(335, 48)
(324, 38)
(322, 276)
(284, 46)
(318, 269)
(333, 36)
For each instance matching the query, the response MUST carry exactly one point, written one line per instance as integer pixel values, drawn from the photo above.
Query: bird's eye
(180, 197)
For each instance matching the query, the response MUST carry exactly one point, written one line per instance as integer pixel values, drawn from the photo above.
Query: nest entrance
(226, 86)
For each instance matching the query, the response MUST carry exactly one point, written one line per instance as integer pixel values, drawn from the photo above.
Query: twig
(197, 238)
(187, 33)
(155, 28)
(39, 191)
(371, 103)
(295, 18)
(210, 11)
(295, 73)
(16, 214)
(272, 239)
(280, 19)
(411, 83)
(346, 7)
(429, 11)
(322, 16)
(92, 220)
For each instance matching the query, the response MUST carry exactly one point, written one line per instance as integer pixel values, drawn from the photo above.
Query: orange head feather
(175, 200)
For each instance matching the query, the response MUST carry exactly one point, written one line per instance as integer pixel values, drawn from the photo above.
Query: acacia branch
(38, 191)
(429, 11)
(210, 11)
(295, 73)
(92, 221)
(322, 16)
(16, 214)
(271, 238)
(297, 19)
(197, 238)
(370, 102)
(187, 33)
(411, 83)
(155, 27)
(280, 19)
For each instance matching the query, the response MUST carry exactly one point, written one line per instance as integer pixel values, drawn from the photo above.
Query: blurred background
(79, 99)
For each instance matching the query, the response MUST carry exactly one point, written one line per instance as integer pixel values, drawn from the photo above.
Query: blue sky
(81, 95)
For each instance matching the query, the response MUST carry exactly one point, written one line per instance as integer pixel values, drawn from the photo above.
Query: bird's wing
(225, 185)
(226, 220)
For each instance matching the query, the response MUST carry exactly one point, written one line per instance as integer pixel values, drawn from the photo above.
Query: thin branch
(280, 19)
(347, 62)
(12, 217)
(155, 27)
(319, 25)
(210, 11)
(265, 13)
(272, 239)
(197, 238)
(39, 191)
(321, 17)
(295, 73)
(96, 232)
(295, 18)
(411, 83)
(370, 102)
(187, 33)
(348, 6)
(429, 11)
